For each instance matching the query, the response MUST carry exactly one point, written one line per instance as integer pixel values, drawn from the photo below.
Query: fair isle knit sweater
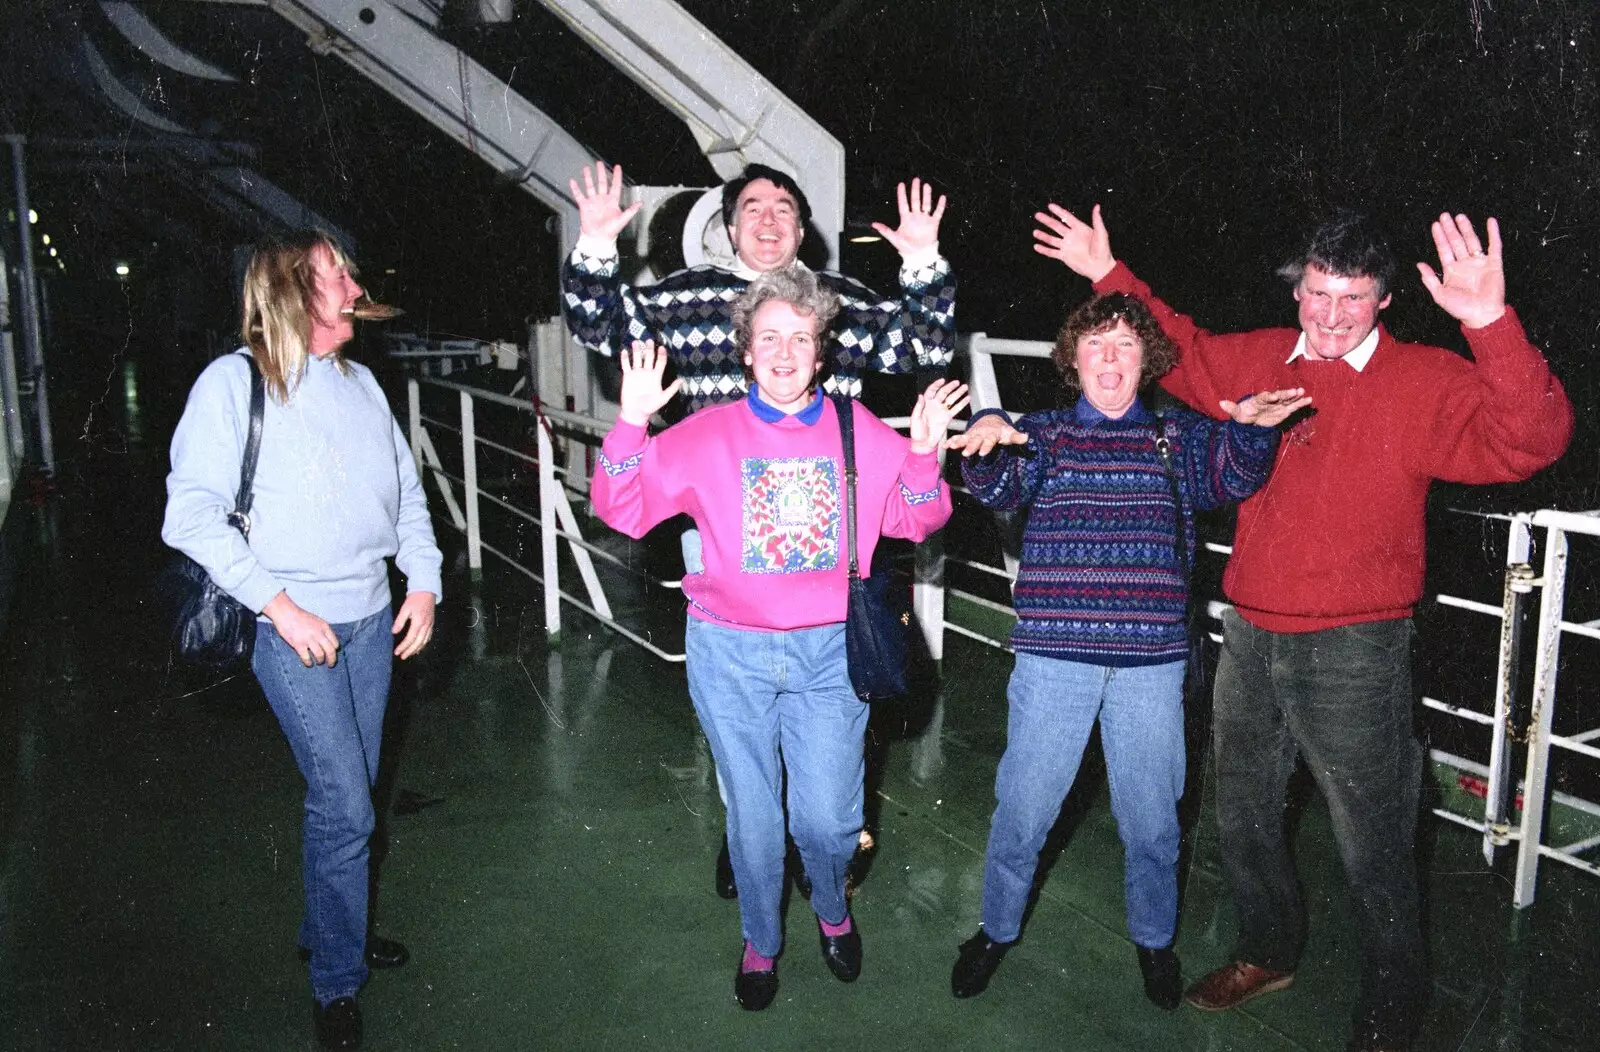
(690, 314)
(1100, 580)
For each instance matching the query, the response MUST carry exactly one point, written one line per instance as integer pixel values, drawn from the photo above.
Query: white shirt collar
(1356, 359)
(742, 270)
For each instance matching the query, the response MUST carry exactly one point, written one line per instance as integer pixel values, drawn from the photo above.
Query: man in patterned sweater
(1327, 564)
(687, 312)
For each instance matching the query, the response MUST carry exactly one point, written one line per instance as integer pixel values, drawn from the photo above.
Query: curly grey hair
(796, 286)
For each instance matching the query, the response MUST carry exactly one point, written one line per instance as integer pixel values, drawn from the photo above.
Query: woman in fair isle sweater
(763, 479)
(1101, 598)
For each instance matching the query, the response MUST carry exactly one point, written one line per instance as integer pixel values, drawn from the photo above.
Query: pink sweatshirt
(769, 501)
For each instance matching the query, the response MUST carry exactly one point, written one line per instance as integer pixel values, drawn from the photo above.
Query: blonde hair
(280, 287)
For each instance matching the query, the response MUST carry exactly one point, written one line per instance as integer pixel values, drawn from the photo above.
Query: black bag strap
(1164, 450)
(847, 434)
(239, 518)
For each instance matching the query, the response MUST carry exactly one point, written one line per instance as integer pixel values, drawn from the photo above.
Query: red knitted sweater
(1336, 535)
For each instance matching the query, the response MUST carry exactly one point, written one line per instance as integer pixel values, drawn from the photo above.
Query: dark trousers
(1342, 699)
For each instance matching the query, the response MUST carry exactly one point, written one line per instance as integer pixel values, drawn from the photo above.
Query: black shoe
(726, 888)
(842, 953)
(754, 990)
(381, 952)
(386, 953)
(338, 1024)
(979, 957)
(1162, 981)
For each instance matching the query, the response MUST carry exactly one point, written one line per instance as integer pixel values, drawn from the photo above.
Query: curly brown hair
(800, 289)
(1101, 314)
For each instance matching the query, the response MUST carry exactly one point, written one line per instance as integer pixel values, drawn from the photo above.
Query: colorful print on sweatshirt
(791, 514)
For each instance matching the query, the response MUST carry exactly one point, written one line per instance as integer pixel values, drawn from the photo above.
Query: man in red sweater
(1327, 565)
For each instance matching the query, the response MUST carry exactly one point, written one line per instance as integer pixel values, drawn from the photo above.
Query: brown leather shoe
(1234, 984)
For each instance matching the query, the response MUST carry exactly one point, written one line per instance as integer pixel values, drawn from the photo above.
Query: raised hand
(600, 211)
(919, 219)
(981, 437)
(1473, 288)
(642, 368)
(931, 416)
(1084, 247)
(1267, 408)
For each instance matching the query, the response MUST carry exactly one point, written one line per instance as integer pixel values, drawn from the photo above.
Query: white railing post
(927, 588)
(981, 382)
(414, 420)
(547, 529)
(1540, 716)
(469, 475)
(1519, 582)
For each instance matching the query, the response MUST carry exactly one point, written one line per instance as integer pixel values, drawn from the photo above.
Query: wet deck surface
(551, 825)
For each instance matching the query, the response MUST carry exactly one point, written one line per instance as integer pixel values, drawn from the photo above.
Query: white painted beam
(735, 114)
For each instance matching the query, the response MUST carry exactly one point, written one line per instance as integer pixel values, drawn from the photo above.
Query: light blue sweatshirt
(336, 492)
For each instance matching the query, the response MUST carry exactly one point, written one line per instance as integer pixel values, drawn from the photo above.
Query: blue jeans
(1341, 698)
(771, 703)
(1054, 704)
(333, 718)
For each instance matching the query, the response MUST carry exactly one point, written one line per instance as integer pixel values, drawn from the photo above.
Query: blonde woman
(336, 494)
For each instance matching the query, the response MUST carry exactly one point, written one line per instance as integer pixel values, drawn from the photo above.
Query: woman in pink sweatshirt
(764, 481)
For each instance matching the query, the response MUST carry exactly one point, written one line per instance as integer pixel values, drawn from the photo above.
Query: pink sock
(835, 930)
(754, 962)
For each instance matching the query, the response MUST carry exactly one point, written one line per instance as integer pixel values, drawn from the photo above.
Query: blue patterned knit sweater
(689, 313)
(1100, 581)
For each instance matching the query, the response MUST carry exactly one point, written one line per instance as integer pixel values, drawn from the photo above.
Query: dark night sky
(1209, 130)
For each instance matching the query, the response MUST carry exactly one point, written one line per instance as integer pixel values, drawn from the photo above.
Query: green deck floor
(549, 862)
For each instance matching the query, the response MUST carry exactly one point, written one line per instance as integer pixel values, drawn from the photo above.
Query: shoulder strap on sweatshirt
(845, 407)
(1164, 451)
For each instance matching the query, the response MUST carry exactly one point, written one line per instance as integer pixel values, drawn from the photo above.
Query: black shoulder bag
(1196, 701)
(874, 637)
(207, 626)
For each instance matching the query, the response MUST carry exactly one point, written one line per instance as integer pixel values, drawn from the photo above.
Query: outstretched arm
(1010, 477)
(601, 311)
(1505, 415)
(636, 483)
(917, 332)
(1267, 408)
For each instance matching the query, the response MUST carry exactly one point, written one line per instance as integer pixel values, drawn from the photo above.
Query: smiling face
(336, 292)
(1336, 313)
(766, 228)
(1109, 365)
(783, 355)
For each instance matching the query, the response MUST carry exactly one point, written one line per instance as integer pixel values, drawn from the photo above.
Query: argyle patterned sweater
(689, 313)
(1100, 581)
